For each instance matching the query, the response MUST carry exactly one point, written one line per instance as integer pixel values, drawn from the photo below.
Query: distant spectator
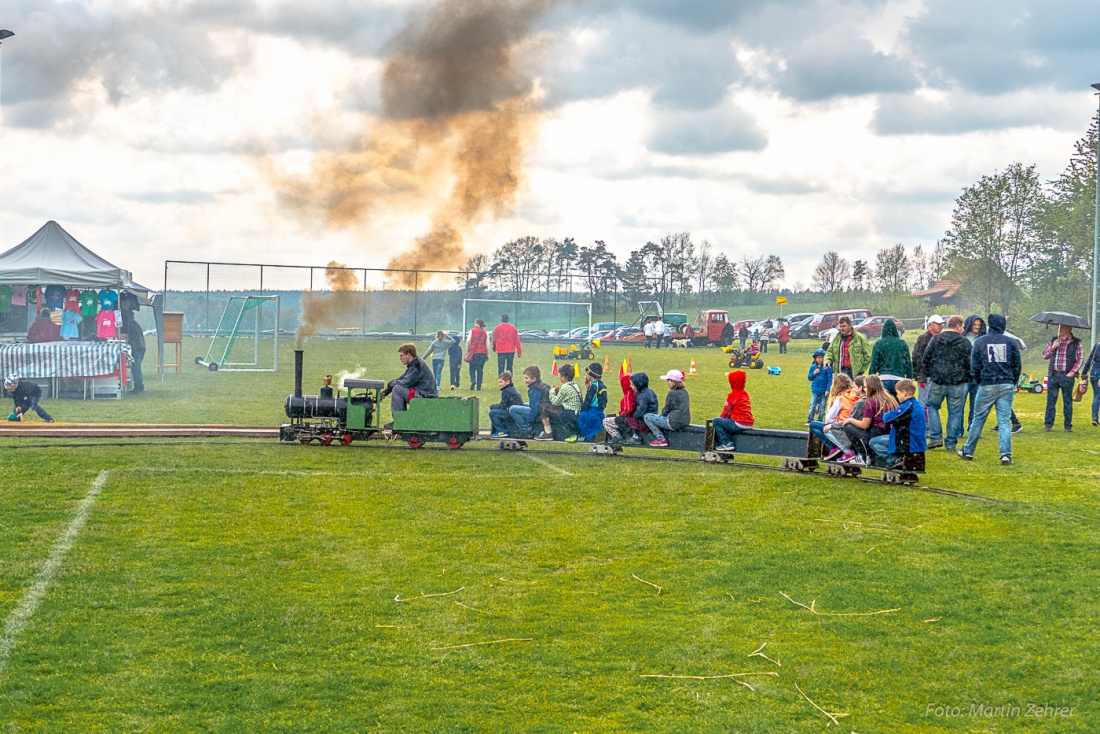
(728, 334)
(743, 335)
(43, 329)
(1065, 354)
(659, 331)
(783, 337)
(439, 349)
(506, 344)
(648, 330)
(477, 351)
(975, 328)
(935, 326)
(890, 358)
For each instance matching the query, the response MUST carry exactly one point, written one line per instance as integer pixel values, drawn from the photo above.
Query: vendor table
(68, 360)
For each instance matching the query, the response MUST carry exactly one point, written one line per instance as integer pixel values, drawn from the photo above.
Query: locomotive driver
(417, 381)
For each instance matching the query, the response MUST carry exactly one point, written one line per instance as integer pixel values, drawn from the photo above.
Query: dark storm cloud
(997, 46)
(839, 63)
(60, 47)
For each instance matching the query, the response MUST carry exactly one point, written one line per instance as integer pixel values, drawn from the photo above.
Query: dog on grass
(681, 343)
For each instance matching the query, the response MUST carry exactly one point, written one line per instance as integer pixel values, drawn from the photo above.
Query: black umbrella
(1057, 318)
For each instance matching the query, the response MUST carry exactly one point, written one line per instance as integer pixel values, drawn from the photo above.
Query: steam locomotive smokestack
(298, 353)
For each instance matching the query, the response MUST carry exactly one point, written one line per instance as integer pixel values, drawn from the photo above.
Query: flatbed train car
(329, 418)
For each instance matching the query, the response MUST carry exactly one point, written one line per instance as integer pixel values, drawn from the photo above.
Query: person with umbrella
(1065, 355)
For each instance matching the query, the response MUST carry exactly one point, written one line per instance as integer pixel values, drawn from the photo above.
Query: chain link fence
(372, 301)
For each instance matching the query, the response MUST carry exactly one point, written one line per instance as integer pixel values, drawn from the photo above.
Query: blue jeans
(817, 406)
(39, 409)
(497, 418)
(437, 368)
(725, 429)
(880, 445)
(504, 361)
(477, 370)
(934, 395)
(992, 397)
(1094, 380)
(743, 340)
(818, 429)
(523, 416)
(656, 422)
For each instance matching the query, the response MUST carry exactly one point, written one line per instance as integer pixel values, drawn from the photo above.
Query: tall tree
(832, 273)
(703, 262)
(773, 272)
(998, 218)
(725, 275)
(599, 270)
(892, 269)
(859, 275)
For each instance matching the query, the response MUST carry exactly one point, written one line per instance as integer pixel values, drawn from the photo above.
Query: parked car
(795, 318)
(604, 334)
(558, 333)
(801, 329)
(533, 334)
(626, 331)
(607, 325)
(872, 327)
(581, 332)
(830, 319)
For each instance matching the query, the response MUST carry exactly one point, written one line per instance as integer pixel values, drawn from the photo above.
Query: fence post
(416, 298)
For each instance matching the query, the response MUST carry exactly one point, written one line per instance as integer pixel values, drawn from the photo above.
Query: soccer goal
(527, 315)
(247, 337)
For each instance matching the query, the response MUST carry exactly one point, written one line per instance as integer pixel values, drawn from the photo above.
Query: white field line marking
(547, 464)
(18, 620)
(263, 472)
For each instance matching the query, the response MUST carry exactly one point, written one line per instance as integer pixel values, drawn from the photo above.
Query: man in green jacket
(890, 359)
(849, 352)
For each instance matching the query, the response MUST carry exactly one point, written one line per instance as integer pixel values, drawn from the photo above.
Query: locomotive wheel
(346, 439)
(415, 442)
(304, 439)
(326, 440)
(454, 443)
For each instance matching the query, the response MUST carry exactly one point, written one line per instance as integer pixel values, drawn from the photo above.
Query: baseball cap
(936, 319)
(676, 375)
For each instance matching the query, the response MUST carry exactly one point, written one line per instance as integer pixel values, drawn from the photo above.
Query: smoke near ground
(341, 305)
(456, 119)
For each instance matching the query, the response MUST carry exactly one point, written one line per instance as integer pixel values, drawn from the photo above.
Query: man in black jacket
(996, 365)
(935, 326)
(417, 380)
(946, 368)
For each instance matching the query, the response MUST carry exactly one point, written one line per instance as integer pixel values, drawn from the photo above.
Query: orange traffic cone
(629, 367)
(607, 362)
(693, 371)
(554, 371)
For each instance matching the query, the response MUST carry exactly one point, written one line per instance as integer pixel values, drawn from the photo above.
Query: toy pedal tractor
(574, 352)
(750, 357)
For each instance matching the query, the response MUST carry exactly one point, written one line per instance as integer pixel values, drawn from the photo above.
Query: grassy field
(240, 586)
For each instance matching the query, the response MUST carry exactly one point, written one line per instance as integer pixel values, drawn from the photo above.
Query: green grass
(241, 586)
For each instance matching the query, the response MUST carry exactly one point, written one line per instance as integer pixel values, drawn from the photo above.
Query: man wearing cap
(935, 326)
(946, 365)
(26, 395)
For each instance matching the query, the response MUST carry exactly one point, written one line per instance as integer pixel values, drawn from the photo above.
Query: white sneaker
(857, 461)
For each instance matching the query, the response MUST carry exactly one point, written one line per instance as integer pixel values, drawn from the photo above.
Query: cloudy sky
(194, 130)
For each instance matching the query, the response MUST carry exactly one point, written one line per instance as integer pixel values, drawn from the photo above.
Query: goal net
(527, 315)
(246, 338)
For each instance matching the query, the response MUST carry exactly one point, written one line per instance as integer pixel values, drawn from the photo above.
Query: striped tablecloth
(63, 359)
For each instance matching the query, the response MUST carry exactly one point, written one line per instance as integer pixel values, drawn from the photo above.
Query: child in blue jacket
(908, 426)
(821, 378)
(590, 419)
(646, 402)
(509, 398)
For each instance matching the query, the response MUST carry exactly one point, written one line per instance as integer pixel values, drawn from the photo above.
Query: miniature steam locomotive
(329, 417)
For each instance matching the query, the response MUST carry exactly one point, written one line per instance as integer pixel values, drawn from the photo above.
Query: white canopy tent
(52, 256)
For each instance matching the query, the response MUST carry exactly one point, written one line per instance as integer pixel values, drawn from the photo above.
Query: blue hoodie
(823, 380)
(995, 359)
(908, 426)
(647, 399)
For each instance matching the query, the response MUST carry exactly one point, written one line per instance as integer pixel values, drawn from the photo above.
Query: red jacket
(43, 330)
(784, 334)
(630, 399)
(738, 406)
(506, 339)
(478, 341)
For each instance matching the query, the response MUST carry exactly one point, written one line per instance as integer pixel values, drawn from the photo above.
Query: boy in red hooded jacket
(736, 414)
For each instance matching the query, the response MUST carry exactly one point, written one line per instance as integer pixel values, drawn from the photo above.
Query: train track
(210, 432)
